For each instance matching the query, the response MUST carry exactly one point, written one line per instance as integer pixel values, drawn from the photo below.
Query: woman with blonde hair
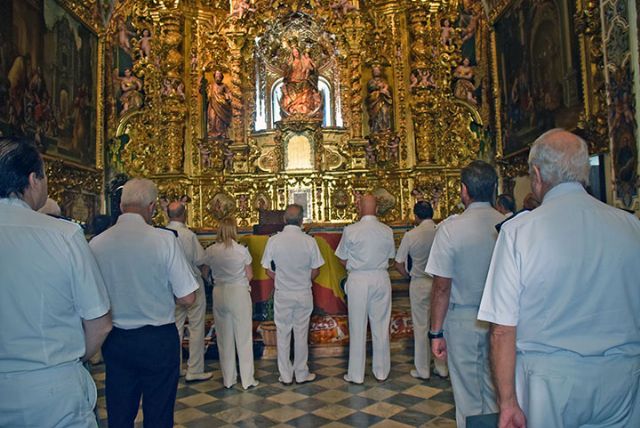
(230, 265)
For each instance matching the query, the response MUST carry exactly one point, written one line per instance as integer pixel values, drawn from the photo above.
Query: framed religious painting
(537, 70)
(48, 63)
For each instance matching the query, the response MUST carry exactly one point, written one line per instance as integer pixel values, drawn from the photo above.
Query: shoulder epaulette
(175, 233)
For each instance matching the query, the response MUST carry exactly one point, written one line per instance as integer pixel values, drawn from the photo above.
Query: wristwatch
(435, 334)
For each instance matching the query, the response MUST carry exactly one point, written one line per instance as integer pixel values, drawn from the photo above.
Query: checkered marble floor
(329, 401)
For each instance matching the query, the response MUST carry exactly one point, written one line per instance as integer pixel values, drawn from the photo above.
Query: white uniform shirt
(294, 254)
(568, 275)
(228, 263)
(417, 244)
(462, 251)
(367, 245)
(191, 247)
(143, 269)
(49, 283)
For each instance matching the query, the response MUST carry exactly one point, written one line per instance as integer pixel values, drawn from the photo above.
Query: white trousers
(369, 298)
(468, 351)
(196, 313)
(292, 311)
(566, 391)
(232, 313)
(62, 396)
(420, 298)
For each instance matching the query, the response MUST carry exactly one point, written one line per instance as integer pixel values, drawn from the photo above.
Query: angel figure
(130, 97)
(205, 156)
(464, 87)
(145, 43)
(446, 33)
(342, 7)
(241, 8)
(392, 149)
(228, 158)
(421, 79)
(124, 36)
(470, 30)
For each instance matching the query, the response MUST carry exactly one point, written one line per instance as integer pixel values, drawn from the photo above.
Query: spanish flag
(328, 294)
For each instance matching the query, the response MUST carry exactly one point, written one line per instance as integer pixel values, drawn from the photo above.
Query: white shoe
(414, 373)
(253, 385)
(348, 379)
(442, 375)
(283, 382)
(192, 377)
(310, 378)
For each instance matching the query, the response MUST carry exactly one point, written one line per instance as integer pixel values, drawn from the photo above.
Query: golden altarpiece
(245, 105)
(251, 105)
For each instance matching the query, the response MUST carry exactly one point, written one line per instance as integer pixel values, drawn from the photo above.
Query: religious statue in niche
(131, 96)
(219, 107)
(463, 86)
(379, 102)
(300, 93)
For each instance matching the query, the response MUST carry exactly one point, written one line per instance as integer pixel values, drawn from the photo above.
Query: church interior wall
(152, 65)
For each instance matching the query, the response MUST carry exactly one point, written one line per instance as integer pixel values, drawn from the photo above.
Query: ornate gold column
(173, 107)
(420, 97)
(355, 33)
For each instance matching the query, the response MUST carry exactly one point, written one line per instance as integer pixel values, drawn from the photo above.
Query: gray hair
(561, 157)
(138, 192)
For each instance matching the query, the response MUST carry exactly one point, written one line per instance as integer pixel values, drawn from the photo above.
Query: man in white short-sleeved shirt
(146, 273)
(459, 261)
(366, 248)
(416, 245)
(54, 309)
(196, 256)
(563, 297)
(297, 260)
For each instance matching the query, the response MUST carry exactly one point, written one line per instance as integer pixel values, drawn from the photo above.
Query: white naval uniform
(294, 254)
(567, 275)
(196, 312)
(50, 283)
(367, 246)
(416, 243)
(232, 311)
(462, 251)
(142, 284)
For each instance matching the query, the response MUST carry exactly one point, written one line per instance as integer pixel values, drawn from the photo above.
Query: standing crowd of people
(534, 315)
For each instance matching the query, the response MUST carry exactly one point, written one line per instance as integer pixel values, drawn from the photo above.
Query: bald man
(365, 249)
(292, 258)
(564, 280)
(196, 256)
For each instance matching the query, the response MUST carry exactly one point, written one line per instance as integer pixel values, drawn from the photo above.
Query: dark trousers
(141, 362)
